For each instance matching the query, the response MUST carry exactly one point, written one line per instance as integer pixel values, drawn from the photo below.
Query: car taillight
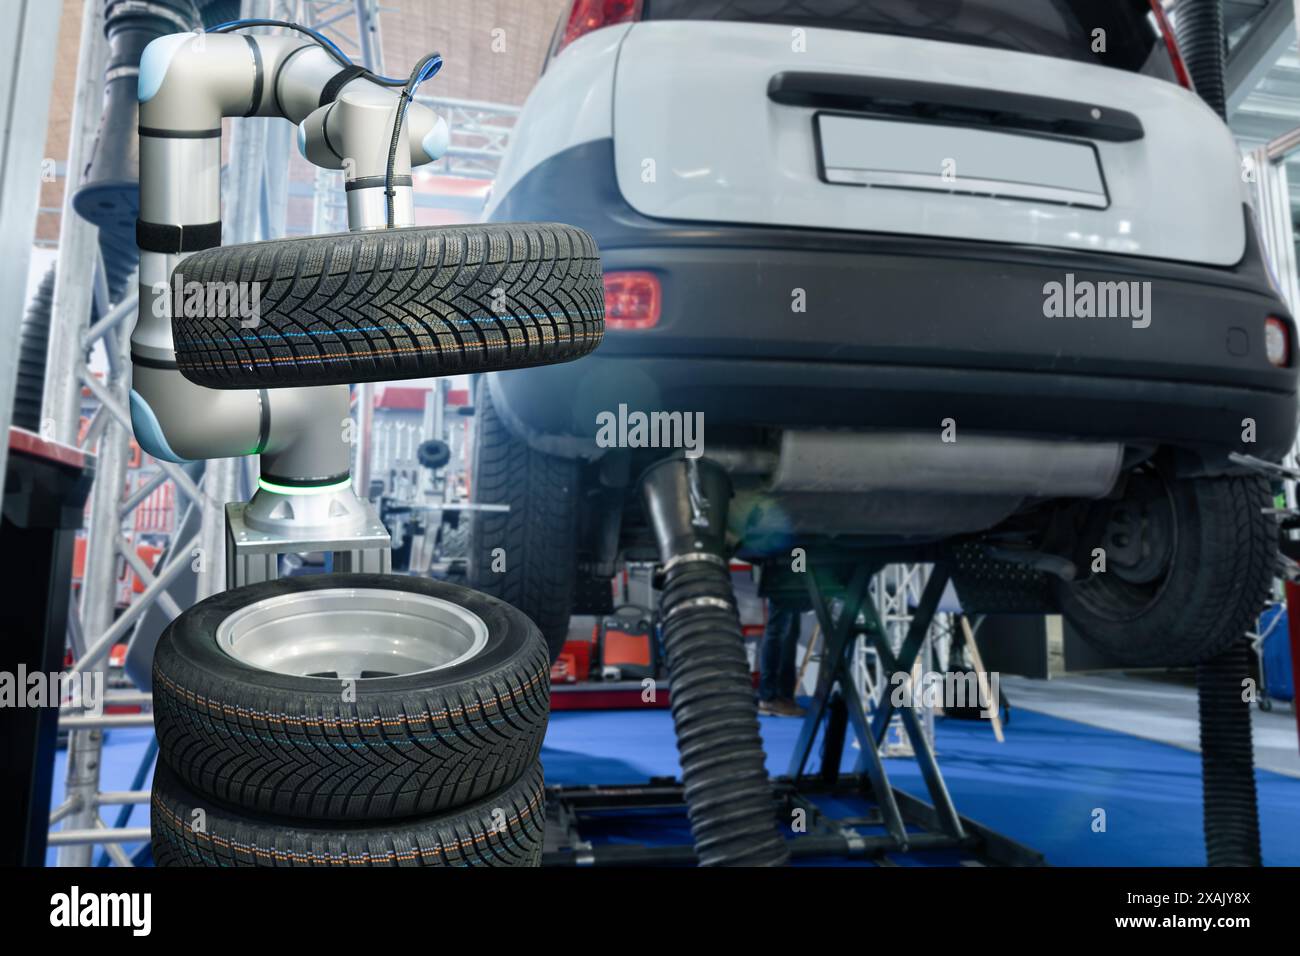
(632, 300)
(1277, 345)
(588, 15)
(1171, 44)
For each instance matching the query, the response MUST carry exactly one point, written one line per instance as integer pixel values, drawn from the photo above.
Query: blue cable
(430, 72)
(318, 37)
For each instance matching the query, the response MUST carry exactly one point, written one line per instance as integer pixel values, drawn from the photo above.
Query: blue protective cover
(1279, 678)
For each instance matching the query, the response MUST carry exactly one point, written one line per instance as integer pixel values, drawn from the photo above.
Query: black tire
(392, 304)
(502, 829)
(538, 535)
(1212, 582)
(407, 745)
(433, 454)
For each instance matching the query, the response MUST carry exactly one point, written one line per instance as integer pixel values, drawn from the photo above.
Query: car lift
(908, 823)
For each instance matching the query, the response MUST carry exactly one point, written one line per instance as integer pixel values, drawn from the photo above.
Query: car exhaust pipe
(724, 774)
(874, 462)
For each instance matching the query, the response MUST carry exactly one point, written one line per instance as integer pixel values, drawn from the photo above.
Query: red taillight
(1171, 44)
(589, 15)
(632, 300)
(1277, 344)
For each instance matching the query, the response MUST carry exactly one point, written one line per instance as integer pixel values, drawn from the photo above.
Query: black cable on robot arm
(417, 76)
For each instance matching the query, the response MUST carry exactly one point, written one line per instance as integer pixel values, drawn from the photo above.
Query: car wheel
(501, 829)
(526, 556)
(391, 304)
(1189, 565)
(350, 696)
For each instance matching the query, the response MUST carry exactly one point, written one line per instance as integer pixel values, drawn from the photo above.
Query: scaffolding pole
(98, 600)
(1273, 209)
(78, 242)
(257, 201)
(28, 48)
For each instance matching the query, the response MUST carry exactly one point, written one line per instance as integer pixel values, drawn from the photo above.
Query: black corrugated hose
(1231, 819)
(1231, 809)
(727, 791)
(723, 769)
(1198, 28)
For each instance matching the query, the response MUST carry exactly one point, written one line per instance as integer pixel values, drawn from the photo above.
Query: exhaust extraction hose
(1199, 32)
(1231, 809)
(724, 774)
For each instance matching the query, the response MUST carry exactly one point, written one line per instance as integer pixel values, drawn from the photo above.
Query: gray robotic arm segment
(188, 83)
(309, 433)
(352, 133)
(301, 433)
(299, 73)
(176, 420)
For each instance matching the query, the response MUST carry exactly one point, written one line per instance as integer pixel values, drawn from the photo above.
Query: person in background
(777, 658)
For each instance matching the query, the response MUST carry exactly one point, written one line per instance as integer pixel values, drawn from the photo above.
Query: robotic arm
(345, 117)
(385, 300)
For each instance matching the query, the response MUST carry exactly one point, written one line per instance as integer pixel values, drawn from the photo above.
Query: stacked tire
(267, 757)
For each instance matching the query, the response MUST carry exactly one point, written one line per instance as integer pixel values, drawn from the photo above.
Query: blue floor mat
(1041, 787)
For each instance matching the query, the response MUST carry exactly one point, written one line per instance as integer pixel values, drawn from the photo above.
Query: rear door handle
(960, 105)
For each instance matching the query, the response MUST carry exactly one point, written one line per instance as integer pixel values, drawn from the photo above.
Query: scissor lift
(856, 816)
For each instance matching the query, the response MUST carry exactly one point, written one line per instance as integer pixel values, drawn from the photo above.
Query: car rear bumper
(808, 328)
(555, 407)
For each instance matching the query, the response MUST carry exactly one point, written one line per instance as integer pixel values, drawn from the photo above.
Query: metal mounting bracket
(253, 555)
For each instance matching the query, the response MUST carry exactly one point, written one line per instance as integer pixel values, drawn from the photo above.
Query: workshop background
(1092, 765)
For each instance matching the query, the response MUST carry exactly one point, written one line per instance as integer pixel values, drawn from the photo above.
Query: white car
(975, 280)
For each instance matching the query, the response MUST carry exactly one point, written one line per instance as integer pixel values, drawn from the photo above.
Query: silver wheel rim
(352, 634)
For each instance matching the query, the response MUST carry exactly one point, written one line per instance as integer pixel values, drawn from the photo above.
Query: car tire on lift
(537, 538)
(1189, 565)
(501, 829)
(325, 747)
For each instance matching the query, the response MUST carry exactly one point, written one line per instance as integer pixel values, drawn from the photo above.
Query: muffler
(728, 794)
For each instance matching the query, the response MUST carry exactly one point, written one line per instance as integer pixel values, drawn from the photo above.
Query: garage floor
(1153, 710)
(1039, 787)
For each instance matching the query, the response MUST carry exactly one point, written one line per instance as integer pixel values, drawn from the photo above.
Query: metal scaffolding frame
(480, 133)
(28, 47)
(256, 193)
(255, 207)
(896, 593)
(78, 244)
(1267, 164)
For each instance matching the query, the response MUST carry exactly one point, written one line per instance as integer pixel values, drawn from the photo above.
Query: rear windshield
(1059, 28)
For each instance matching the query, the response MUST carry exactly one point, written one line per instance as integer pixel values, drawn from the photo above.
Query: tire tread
(386, 755)
(504, 828)
(538, 533)
(394, 304)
